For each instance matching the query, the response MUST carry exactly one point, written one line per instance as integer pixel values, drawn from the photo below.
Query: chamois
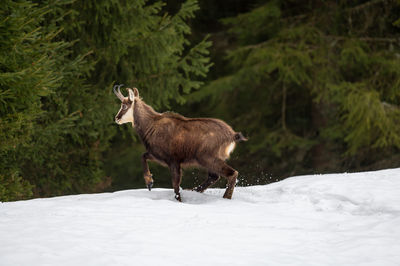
(176, 141)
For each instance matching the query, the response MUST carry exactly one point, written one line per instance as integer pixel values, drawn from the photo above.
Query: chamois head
(125, 113)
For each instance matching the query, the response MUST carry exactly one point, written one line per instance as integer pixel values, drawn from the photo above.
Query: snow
(335, 219)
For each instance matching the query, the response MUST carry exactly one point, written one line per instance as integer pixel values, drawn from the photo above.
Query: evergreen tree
(315, 84)
(67, 57)
(28, 62)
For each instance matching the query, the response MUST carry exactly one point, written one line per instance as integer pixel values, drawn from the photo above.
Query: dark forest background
(315, 85)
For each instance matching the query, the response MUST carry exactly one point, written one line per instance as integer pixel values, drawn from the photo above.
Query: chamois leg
(176, 179)
(231, 176)
(148, 177)
(211, 179)
(219, 167)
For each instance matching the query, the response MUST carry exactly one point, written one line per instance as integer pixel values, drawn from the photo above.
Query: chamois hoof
(150, 185)
(228, 195)
(178, 198)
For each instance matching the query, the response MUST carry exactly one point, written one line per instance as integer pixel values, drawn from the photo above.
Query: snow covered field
(337, 219)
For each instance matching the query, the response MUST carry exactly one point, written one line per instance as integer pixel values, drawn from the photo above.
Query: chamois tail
(238, 137)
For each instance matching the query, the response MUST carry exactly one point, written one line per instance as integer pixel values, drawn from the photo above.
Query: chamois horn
(118, 93)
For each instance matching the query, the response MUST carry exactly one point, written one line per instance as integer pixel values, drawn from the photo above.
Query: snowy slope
(337, 219)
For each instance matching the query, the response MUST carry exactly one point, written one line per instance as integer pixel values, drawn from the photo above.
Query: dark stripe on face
(125, 105)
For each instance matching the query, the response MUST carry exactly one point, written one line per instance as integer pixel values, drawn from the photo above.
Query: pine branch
(366, 5)
(366, 39)
(390, 106)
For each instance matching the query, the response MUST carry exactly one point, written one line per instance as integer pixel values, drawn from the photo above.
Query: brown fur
(177, 141)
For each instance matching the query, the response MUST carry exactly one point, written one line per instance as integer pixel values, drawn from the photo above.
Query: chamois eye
(124, 106)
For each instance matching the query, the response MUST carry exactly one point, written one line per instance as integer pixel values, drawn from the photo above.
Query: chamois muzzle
(118, 93)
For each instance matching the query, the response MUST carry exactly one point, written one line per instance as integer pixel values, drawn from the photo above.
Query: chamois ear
(136, 92)
(131, 95)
